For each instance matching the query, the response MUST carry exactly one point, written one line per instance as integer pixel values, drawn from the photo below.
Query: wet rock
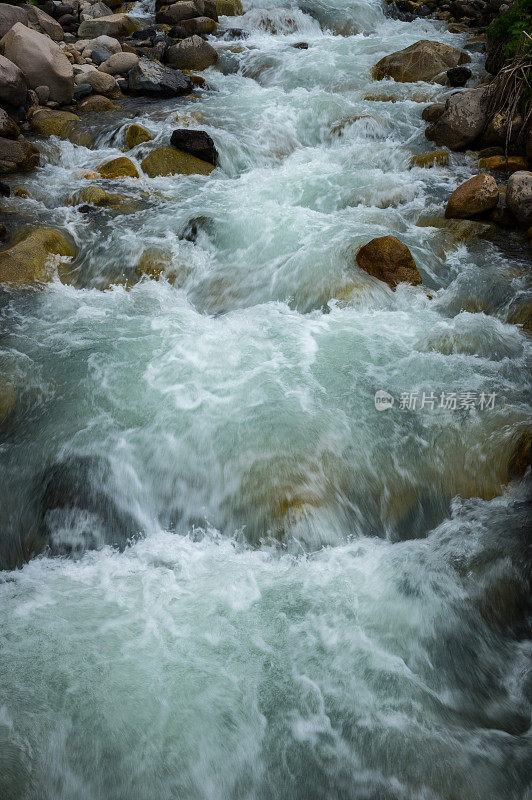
(460, 230)
(520, 459)
(136, 134)
(81, 90)
(94, 196)
(438, 158)
(8, 126)
(199, 25)
(41, 60)
(422, 61)
(42, 22)
(521, 314)
(192, 53)
(114, 25)
(78, 508)
(519, 197)
(96, 102)
(433, 112)
(169, 161)
(63, 124)
(197, 143)
(29, 261)
(121, 167)
(458, 76)
(487, 152)
(5, 190)
(18, 156)
(463, 119)
(152, 79)
(43, 94)
(177, 32)
(229, 8)
(300, 45)
(475, 196)
(13, 84)
(497, 129)
(503, 164)
(389, 260)
(153, 262)
(119, 63)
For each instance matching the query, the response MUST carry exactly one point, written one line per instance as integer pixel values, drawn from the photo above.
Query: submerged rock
(521, 314)
(463, 119)
(78, 510)
(18, 155)
(197, 143)
(153, 262)
(520, 459)
(475, 196)
(27, 261)
(136, 134)
(94, 196)
(389, 260)
(169, 161)
(120, 167)
(438, 158)
(8, 400)
(422, 61)
(41, 60)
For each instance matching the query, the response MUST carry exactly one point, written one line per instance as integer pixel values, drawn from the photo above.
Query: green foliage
(512, 27)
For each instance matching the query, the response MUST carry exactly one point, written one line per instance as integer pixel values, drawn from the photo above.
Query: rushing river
(325, 600)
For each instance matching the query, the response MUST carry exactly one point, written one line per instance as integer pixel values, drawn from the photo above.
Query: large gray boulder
(13, 84)
(115, 25)
(10, 15)
(519, 197)
(18, 156)
(192, 53)
(152, 79)
(421, 61)
(95, 10)
(41, 60)
(462, 121)
(39, 21)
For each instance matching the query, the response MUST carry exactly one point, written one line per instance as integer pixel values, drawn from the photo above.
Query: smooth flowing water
(310, 598)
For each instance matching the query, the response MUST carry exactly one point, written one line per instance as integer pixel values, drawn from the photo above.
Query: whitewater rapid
(320, 600)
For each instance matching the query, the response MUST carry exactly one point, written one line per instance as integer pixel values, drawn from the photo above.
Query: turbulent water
(310, 598)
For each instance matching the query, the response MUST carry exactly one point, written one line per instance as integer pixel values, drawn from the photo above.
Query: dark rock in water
(230, 33)
(459, 76)
(301, 45)
(196, 143)
(82, 90)
(99, 56)
(177, 32)
(5, 190)
(198, 225)
(78, 510)
(151, 78)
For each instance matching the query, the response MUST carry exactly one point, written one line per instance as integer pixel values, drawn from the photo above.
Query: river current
(321, 599)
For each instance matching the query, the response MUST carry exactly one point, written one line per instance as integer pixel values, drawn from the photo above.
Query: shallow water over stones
(295, 595)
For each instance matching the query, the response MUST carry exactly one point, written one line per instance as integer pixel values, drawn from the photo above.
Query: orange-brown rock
(389, 260)
(475, 196)
(501, 164)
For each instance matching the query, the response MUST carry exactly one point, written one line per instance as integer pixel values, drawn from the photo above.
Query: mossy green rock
(170, 161)
(29, 260)
(95, 196)
(438, 158)
(137, 134)
(229, 8)
(121, 167)
(63, 124)
(520, 458)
